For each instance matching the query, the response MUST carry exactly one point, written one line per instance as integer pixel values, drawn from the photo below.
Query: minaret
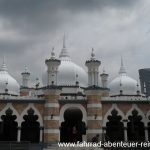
(104, 79)
(94, 94)
(52, 69)
(52, 94)
(93, 70)
(25, 77)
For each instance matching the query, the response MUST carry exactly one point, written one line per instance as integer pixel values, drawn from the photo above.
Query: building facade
(145, 81)
(72, 105)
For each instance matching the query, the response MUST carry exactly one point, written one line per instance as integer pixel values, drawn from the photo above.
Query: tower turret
(52, 69)
(93, 70)
(25, 77)
(104, 79)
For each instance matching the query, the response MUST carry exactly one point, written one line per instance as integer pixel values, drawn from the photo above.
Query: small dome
(8, 82)
(123, 82)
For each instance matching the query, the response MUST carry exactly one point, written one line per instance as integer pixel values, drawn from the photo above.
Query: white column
(41, 134)
(19, 134)
(125, 132)
(146, 133)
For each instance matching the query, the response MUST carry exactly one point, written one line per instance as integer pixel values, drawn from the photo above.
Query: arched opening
(135, 127)
(8, 127)
(30, 128)
(73, 127)
(114, 128)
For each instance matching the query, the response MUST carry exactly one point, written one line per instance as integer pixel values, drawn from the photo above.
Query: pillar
(41, 134)
(19, 134)
(146, 133)
(51, 117)
(125, 131)
(94, 112)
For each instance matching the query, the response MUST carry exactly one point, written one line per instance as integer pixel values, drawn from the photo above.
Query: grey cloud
(39, 24)
(32, 16)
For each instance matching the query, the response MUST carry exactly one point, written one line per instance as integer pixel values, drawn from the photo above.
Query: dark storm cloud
(28, 26)
(36, 16)
(36, 19)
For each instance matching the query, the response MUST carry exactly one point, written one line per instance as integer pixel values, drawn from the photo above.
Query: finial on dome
(26, 69)
(64, 52)
(122, 68)
(4, 67)
(92, 54)
(52, 54)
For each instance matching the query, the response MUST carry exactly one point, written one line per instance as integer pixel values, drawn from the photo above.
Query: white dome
(8, 82)
(123, 82)
(68, 72)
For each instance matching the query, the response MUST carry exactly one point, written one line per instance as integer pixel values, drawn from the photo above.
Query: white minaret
(52, 69)
(25, 77)
(93, 70)
(104, 79)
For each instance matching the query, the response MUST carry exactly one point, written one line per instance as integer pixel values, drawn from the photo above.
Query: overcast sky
(30, 28)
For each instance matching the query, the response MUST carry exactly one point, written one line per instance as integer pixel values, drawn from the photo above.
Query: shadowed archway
(114, 128)
(30, 128)
(8, 126)
(135, 127)
(73, 127)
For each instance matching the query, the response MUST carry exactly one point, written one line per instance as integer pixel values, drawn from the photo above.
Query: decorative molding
(52, 105)
(93, 118)
(49, 118)
(94, 105)
(55, 131)
(95, 131)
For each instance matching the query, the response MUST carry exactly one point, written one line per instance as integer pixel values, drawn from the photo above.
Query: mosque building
(73, 104)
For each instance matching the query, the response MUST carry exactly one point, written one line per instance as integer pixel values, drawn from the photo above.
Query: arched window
(8, 126)
(135, 127)
(114, 127)
(30, 128)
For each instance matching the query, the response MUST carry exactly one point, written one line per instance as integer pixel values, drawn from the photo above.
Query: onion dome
(68, 71)
(123, 84)
(7, 82)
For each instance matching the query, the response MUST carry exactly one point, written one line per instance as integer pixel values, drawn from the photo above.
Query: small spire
(64, 52)
(122, 68)
(26, 69)
(4, 67)
(92, 54)
(52, 54)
